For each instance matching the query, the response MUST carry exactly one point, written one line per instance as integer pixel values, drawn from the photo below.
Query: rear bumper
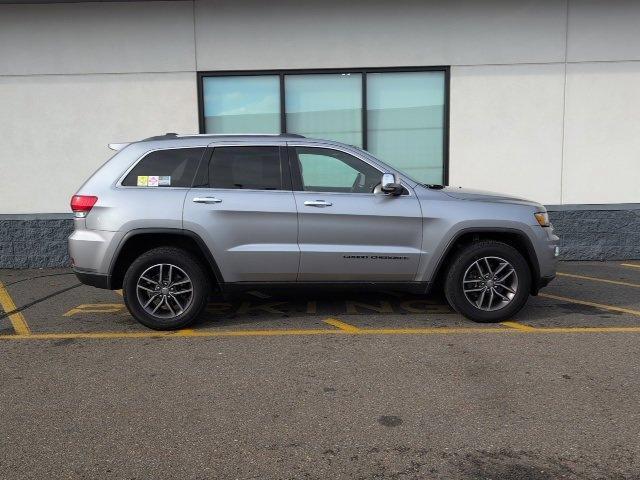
(91, 250)
(94, 279)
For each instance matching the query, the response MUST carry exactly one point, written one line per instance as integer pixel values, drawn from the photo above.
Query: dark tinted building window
(165, 168)
(256, 168)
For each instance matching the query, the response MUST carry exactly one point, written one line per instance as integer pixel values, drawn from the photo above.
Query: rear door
(243, 208)
(348, 229)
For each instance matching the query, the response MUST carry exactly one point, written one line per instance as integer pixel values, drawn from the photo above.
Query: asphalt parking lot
(322, 385)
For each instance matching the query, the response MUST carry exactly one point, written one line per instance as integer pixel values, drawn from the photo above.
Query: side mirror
(391, 184)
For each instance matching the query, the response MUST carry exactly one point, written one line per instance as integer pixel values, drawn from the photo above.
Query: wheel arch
(141, 240)
(514, 237)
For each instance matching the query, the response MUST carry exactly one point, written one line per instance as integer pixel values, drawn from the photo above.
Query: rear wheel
(488, 281)
(165, 288)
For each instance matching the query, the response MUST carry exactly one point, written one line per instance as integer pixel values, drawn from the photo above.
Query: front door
(243, 208)
(346, 231)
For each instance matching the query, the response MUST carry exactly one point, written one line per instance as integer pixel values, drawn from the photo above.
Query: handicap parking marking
(285, 307)
(17, 319)
(378, 313)
(355, 309)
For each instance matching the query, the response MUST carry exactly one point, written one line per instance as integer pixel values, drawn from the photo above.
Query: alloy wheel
(490, 283)
(164, 290)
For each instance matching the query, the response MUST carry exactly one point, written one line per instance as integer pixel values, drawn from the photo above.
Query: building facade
(540, 99)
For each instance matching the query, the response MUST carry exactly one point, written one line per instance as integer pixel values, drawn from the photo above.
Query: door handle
(317, 203)
(207, 200)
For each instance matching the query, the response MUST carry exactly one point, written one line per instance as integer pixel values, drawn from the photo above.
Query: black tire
(199, 281)
(465, 259)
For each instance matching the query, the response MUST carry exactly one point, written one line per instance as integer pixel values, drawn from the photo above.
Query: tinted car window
(256, 168)
(165, 168)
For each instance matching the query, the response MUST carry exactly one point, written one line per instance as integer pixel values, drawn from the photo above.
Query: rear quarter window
(165, 168)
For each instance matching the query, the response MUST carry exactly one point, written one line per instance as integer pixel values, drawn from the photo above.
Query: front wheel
(165, 288)
(488, 281)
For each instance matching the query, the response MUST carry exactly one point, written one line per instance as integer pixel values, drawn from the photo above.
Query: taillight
(82, 204)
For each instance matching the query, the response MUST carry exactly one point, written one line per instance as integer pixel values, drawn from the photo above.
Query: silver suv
(171, 218)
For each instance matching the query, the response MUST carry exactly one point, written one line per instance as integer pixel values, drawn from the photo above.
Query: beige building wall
(544, 94)
(506, 129)
(77, 76)
(56, 129)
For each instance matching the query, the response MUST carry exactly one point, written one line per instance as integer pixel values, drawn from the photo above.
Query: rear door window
(165, 168)
(248, 168)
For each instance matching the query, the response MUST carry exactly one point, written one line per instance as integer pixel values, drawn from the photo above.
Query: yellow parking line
(18, 321)
(596, 279)
(630, 265)
(95, 308)
(431, 330)
(447, 331)
(178, 333)
(591, 304)
(518, 326)
(585, 330)
(187, 333)
(345, 327)
(256, 333)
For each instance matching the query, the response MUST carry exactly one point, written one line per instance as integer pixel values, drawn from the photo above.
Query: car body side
(449, 216)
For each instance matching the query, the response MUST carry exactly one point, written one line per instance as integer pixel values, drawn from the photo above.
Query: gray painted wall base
(598, 234)
(587, 232)
(34, 242)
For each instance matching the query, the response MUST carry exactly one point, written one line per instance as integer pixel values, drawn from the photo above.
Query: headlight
(542, 218)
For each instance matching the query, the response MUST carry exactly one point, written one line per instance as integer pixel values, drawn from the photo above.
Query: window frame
(285, 168)
(363, 71)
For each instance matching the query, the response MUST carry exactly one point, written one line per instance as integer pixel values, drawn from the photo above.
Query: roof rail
(289, 135)
(175, 135)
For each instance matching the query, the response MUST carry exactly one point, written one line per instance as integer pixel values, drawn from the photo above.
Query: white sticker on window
(153, 181)
(143, 180)
(164, 180)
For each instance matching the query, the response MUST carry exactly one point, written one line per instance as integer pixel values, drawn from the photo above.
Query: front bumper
(546, 245)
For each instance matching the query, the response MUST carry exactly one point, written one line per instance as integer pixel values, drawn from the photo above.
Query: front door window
(326, 170)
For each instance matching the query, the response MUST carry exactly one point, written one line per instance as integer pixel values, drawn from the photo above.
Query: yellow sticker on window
(143, 180)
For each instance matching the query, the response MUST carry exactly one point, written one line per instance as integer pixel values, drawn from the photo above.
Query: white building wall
(377, 33)
(602, 133)
(76, 76)
(506, 129)
(56, 128)
(81, 38)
